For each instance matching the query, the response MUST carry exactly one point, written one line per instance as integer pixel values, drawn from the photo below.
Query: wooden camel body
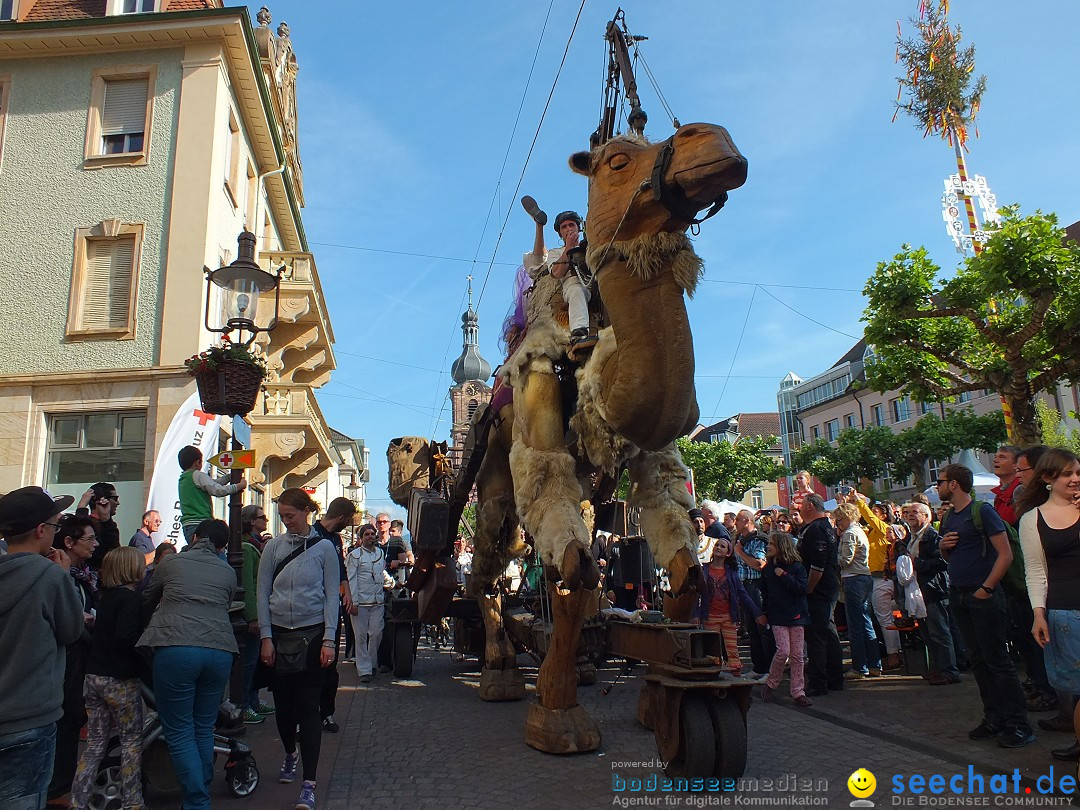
(635, 397)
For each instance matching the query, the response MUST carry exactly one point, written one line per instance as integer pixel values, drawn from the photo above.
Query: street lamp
(241, 284)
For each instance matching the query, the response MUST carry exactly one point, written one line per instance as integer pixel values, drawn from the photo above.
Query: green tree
(935, 438)
(1008, 321)
(1054, 432)
(724, 470)
(859, 455)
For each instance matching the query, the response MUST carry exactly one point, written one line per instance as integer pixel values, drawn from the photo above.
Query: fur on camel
(650, 254)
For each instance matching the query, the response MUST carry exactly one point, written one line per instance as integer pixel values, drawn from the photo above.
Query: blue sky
(406, 116)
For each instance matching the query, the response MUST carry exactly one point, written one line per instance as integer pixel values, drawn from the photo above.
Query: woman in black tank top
(1050, 537)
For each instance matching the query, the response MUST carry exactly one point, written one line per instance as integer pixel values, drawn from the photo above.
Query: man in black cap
(568, 225)
(40, 614)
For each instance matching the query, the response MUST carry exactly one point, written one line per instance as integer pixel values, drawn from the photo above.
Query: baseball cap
(24, 508)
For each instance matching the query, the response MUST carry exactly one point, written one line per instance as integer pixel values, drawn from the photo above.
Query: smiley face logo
(861, 783)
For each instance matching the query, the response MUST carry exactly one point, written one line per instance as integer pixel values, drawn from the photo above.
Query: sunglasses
(1024, 469)
(941, 481)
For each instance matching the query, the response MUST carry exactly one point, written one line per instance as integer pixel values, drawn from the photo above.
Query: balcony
(290, 436)
(300, 350)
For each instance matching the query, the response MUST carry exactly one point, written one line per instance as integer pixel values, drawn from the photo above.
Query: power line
(781, 286)
(812, 320)
(388, 362)
(738, 345)
(528, 157)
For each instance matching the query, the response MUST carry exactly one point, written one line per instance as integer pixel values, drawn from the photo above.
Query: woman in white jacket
(368, 584)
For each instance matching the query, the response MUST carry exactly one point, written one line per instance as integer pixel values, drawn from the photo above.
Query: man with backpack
(976, 545)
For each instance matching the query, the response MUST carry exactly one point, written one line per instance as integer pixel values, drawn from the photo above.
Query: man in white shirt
(368, 582)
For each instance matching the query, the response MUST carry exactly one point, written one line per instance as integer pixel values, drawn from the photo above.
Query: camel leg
(548, 496)
(496, 541)
(556, 723)
(658, 486)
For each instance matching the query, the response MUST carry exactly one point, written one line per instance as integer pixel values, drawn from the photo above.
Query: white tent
(984, 479)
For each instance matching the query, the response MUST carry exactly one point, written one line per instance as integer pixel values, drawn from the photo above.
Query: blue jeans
(189, 684)
(26, 764)
(865, 653)
(984, 624)
(937, 636)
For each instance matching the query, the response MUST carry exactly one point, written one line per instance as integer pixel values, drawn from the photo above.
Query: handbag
(291, 649)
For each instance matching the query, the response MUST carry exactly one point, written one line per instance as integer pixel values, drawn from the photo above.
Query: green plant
(211, 359)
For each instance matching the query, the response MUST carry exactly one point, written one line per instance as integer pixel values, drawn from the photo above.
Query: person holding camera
(99, 503)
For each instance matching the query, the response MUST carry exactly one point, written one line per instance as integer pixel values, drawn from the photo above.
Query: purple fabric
(514, 323)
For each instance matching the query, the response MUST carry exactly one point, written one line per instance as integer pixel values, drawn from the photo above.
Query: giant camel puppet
(635, 397)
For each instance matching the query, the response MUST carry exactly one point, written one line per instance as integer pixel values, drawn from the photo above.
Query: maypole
(942, 101)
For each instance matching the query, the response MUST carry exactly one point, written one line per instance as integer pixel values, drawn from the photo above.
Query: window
(849, 420)
(757, 499)
(886, 480)
(232, 161)
(832, 429)
(5, 94)
(817, 432)
(932, 466)
(85, 448)
(964, 397)
(878, 412)
(901, 409)
(131, 6)
(925, 408)
(118, 125)
(104, 281)
(252, 196)
(8, 9)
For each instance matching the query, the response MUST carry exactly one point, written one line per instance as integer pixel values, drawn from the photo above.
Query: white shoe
(759, 676)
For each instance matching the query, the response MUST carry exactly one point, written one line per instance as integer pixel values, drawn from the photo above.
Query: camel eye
(618, 161)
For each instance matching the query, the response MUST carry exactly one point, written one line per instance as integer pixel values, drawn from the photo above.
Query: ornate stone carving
(263, 17)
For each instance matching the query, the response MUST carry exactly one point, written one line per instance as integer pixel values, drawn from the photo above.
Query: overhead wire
(738, 345)
(528, 156)
(496, 199)
(807, 317)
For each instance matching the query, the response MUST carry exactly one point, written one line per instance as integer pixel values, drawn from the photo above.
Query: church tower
(470, 373)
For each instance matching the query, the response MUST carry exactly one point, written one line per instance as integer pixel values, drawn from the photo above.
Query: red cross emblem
(202, 417)
(225, 461)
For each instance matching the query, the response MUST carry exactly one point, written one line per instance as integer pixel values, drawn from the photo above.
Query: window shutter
(106, 294)
(125, 107)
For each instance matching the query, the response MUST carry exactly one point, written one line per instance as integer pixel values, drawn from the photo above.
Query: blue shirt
(973, 556)
(755, 545)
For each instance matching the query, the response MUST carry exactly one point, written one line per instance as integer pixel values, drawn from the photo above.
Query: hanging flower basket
(229, 378)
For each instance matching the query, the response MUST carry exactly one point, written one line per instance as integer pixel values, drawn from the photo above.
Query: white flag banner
(190, 426)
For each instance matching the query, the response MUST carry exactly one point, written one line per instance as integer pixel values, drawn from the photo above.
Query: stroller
(241, 772)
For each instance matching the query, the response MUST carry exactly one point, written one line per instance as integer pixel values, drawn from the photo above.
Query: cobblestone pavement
(429, 741)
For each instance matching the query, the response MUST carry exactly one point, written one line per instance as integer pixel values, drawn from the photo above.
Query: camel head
(644, 264)
(631, 178)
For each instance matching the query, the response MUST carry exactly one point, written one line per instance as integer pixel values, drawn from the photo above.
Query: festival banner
(190, 426)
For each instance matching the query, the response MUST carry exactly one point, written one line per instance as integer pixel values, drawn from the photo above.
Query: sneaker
(288, 770)
(875, 672)
(366, 678)
(265, 708)
(533, 210)
(1015, 738)
(854, 675)
(1062, 723)
(983, 731)
(581, 340)
(1042, 702)
(349, 659)
(767, 693)
(307, 797)
(758, 676)
(330, 725)
(251, 717)
(804, 701)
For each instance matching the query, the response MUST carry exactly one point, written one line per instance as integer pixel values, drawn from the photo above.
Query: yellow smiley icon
(861, 783)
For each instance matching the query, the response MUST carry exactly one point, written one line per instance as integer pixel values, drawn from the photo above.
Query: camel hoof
(685, 573)
(579, 569)
(497, 685)
(561, 731)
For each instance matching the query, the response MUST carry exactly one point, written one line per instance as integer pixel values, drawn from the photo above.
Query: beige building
(138, 138)
(834, 400)
(741, 425)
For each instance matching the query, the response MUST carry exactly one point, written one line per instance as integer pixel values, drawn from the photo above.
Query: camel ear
(581, 162)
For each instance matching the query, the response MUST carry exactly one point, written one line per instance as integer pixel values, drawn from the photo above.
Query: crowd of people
(90, 626)
(93, 630)
(984, 584)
